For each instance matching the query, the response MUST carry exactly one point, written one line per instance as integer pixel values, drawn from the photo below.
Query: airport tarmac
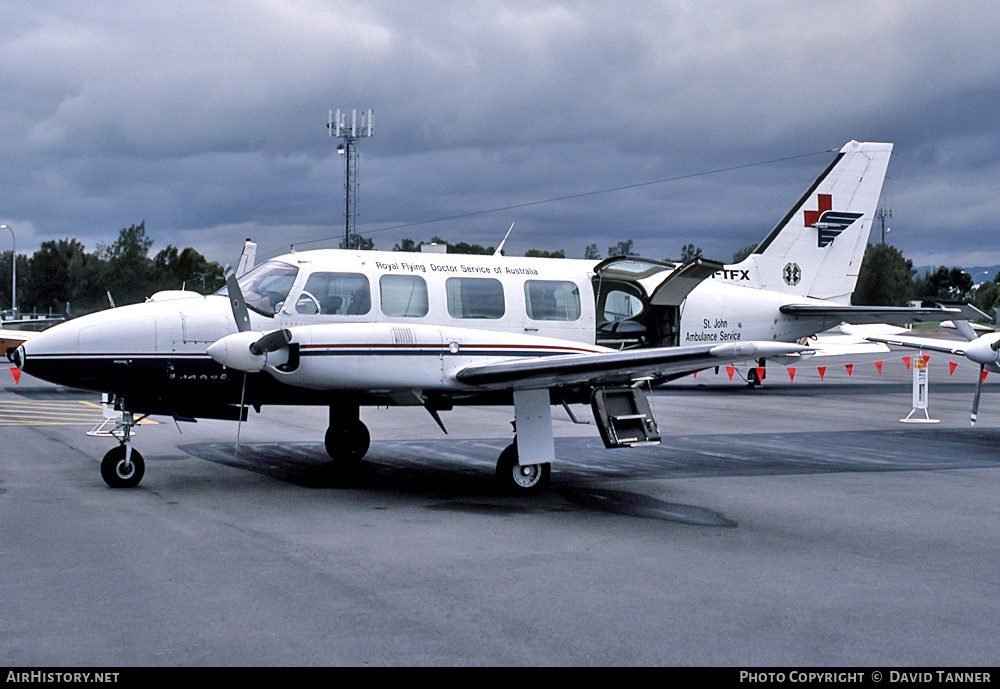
(796, 524)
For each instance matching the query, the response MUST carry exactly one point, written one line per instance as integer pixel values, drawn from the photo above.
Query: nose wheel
(123, 467)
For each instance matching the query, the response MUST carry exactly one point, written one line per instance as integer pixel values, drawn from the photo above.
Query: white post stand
(921, 389)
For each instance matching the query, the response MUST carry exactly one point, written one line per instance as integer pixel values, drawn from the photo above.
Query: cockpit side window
(345, 294)
(266, 287)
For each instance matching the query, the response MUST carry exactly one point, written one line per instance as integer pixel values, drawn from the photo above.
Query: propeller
(975, 400)
(984, 350)
(240, 312)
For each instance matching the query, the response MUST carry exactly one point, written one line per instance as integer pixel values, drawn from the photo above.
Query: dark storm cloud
(208, 119)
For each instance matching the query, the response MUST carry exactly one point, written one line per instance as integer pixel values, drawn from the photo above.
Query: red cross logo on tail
(825, 203)
(828, 222)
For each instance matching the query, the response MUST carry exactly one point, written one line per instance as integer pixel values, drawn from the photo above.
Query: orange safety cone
(822, 372)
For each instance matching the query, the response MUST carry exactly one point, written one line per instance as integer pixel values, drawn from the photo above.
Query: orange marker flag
(985, 373)
(906, 360)
(952, 365)
(16, 372)
(760, 373)
(791, 374)
(878, 365)
(927, 357)
(850, 370)
(822, 372)
(730, 370)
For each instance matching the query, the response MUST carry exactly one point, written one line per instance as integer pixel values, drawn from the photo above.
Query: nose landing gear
(122, 466)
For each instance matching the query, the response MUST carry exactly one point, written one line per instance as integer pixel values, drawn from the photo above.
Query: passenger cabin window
(551, 300)
(266, 287)
(475, 298)
(342, 294)
(403, 296)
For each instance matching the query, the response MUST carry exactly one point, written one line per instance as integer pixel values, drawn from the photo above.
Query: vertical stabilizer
(247, 258)
(817, 248)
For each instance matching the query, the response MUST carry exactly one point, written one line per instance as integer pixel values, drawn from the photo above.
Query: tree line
(62, 272)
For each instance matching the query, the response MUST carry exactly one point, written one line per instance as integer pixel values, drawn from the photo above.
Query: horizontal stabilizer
(872, 314)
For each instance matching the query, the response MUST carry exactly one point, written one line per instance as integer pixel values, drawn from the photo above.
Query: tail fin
(816, 250)
(247, 258)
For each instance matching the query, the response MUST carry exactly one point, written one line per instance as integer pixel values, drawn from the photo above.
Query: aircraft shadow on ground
(459, 474)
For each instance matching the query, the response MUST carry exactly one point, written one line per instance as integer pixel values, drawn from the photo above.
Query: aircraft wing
(872, 314)
(930, 344)
(617, 367)
(12, 339)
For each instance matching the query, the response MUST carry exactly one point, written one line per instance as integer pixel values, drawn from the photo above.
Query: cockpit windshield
(266, 287)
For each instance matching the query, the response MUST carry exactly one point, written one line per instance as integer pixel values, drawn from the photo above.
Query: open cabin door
(638, 300)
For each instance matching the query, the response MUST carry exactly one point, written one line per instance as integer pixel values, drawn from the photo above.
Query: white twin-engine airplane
(346, 329)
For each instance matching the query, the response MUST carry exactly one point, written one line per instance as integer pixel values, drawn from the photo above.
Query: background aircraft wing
(12, 339)
(606, 368)
(956, 347)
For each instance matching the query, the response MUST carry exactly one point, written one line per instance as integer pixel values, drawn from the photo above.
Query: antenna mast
(350, 134)
(881, 214)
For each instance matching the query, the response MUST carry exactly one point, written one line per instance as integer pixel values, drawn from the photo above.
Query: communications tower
(350, 134)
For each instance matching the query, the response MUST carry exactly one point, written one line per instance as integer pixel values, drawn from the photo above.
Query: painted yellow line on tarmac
(32, 413)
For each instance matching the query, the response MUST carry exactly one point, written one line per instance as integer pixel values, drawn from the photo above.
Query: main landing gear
(518, 479)
(347, 441)
(347, 438)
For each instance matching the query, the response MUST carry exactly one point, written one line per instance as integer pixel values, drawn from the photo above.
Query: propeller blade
(975, 400)
(236, 300)
(271, 342)
(239, 419)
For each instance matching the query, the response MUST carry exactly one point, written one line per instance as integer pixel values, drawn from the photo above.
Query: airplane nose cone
(17, 357)
(233, 351)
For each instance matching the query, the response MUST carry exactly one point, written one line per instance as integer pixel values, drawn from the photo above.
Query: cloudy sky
(207, 119)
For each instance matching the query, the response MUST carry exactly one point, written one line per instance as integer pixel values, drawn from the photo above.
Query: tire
(349, 443)
(114, 472)
(516, 479)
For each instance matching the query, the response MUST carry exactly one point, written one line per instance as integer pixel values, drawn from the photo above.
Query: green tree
(622, 249)
(541, 253)
(885, 278)
(186, 269)
(944, 283)
(358, 243)
(406, 245)
(130, 270)
(743, 252)
(592, 253)
(689, 252)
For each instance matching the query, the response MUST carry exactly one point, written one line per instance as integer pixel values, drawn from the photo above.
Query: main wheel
(117, 474)
(528, 479)
(347, 443)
